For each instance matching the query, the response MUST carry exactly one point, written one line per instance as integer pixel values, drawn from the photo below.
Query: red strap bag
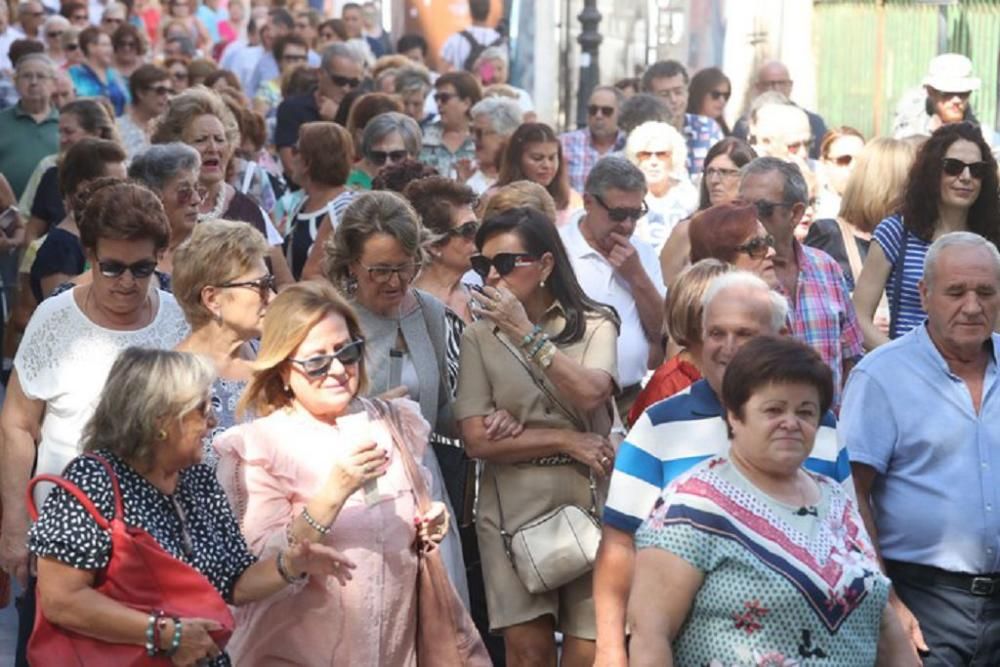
(140, 575)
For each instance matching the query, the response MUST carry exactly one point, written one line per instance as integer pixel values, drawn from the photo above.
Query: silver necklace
(220, 202)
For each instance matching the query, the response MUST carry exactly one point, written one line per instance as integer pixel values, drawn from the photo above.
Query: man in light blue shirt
(921, 422)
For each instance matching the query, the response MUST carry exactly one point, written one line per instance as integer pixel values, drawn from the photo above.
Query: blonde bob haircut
(875, 188)
(188, 105)
(145, 390)
(216, 252)
(517, 195)
(654, 136)
(290, 317)
(684, 310)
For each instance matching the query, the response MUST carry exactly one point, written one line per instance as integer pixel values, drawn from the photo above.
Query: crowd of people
(318, 322)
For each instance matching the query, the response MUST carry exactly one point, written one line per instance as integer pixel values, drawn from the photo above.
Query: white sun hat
(951, 73)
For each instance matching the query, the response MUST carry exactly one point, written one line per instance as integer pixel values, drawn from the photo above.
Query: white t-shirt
(601, 283)
(665, 212)
(64, 359)
(456, 48)
(480, 182)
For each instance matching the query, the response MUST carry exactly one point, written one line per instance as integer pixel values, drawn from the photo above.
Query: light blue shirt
(936, 500)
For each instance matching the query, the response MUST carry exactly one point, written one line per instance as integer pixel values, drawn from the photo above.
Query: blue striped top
(889, 236)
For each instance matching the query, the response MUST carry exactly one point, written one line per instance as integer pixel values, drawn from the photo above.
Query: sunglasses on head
(720, 94)
(264, 285)
(503, 262)
(595, 109)
(467, 230)
(319, 366)
(622, 213)
(757, 247)
(344, 81)
(955, 167)
(112, 268)
(765, 209)
(379, 158)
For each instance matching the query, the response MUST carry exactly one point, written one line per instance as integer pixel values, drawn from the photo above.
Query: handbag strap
(389, 416)
(897, 283)
(78, 493)
(851, 248)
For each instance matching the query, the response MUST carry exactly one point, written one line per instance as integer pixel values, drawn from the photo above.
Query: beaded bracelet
(161, 626)
(288, 577)
(314, 524)
(152, 647)
(175, 641)
(542, 340)
(528, 338)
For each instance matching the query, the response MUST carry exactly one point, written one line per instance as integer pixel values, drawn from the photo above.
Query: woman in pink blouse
(295, 474)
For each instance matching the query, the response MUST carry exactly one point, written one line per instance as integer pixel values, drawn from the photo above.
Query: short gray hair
(746, 281)
(56, 21)
(145, 390)
(411, 79)
(340, 50)
(30, 58)
(955, 239)
(159, 164)
(794, 190)
(617, 92)
(493, 53)
(614, 172)
(504, 113)
(766, 98)
(382, 125)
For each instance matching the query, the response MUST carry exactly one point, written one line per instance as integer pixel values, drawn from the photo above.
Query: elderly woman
(546, 353)
(659, 151)
(223, 286)
(492, 67)
(682, 323)
(494, 119)
(756, 518)
(308, 380)
(70, 344)
(447, 140)
(720, 184)
(952, 186)
(171, 171)
(533, 153)
(151, 88)
(200, 118)
(54, 28)
(373, 257)
(95, 76)
(145, 438)
(732, 233)
(412, 84)
(387, 139)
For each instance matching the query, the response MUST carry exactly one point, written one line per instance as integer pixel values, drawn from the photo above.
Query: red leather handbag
(140, 575)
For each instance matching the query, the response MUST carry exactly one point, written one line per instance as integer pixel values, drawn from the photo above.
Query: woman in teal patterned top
(750, 560)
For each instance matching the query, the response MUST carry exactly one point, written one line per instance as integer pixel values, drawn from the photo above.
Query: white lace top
(64, 359)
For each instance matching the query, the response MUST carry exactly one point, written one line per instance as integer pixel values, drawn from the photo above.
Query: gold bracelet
(545, 355)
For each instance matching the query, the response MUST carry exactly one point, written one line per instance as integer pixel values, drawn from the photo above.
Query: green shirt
(359, 180)
(23, 142)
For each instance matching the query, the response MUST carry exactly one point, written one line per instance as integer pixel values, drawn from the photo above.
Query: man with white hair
(920, 420)
(781, 131)
(494, 119)
(30, 17)
(675, 434)
(29, 130)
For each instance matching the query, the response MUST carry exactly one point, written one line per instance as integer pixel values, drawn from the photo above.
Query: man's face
(293, 56)
(599, 220)
(949, 107)
(34, 82)
(732, 318)
(342, 76)
(674, 91)
(767, 191)
(80, 18)
(782, 131)
(112, 19)
(32, 18)
(774, 77)
(279, 30)
(602, 114)
(63, 91)
(962, 299)
(353, 22)
(415, 54)
(305, 30)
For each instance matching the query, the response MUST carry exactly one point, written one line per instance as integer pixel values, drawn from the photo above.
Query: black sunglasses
(843, 160)
(344, 81)
(319, 366)
(765, 209)
(720, 94)
(112, 268)
(595, 109)
(622, 213)
(379, 158)
(503, 262)
(264, 285)
(162, 90)
(757, 247)
(467, 230)
(955, 167)
(443, 98)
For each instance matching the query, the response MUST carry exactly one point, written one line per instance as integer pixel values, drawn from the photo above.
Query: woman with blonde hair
(308, 380)
(516, 195)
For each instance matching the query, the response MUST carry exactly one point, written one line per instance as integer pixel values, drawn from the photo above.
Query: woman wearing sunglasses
(838, 152)
(294, 474)
(732, 233)
(222, 284)
(952, 187)
(448, 140)
(710, 90)
(71, 343)
(546, 353)
(386, 140)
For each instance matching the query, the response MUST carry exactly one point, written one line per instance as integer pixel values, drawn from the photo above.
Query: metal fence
(871, 52)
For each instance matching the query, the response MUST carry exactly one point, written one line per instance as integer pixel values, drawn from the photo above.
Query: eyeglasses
(715, 172)
(443, 98)
(774, 85)
(162, 90)
(294, 57)
(186, 195)
(954, 167)
(595, 109)
(842, 160)
(114, 21)
(72, 47)
(344, 81)
(179, 76)
(467, 230)
(33, 76)
(720, 94)
(264, 285)
(948, 96)
(622, 213)
(128, 44)
(379, 158)
(80, 18)
(642, 156)
(55, 34)
(797, 146)
(479, 134)
(383, 274)
(765, 209)
(503, 262)
(140, 270)
(757, 247)
(319, 366)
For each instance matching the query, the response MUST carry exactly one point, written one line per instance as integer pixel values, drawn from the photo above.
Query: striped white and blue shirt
(677, 433)
(889, 235)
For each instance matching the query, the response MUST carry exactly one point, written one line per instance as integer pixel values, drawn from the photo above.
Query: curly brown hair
(435, 198)
(397, 175)
(122, 210)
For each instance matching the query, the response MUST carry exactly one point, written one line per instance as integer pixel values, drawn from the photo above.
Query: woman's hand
(500, 306)
(592, 450)
(501, 424)
(366, 462)
(433, 525)
(465, 168)
(196, 644)
(319, 560)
